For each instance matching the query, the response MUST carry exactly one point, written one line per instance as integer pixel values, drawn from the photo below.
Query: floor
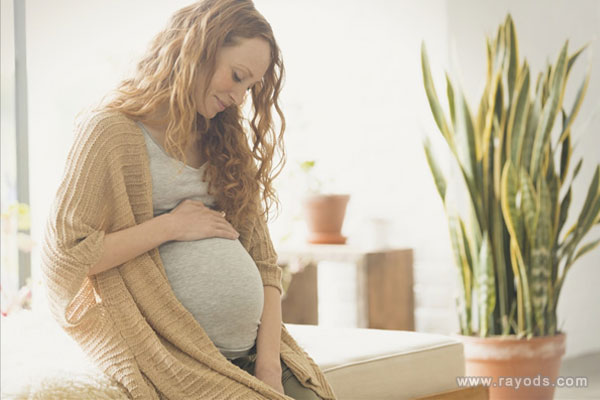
(585, 366)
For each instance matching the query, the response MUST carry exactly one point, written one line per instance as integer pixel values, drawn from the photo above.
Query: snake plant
(511, 252)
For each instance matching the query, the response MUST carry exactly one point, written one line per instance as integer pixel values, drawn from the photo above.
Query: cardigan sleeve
(264, 255)
(74, 236)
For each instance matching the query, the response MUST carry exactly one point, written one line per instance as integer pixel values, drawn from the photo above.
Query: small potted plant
(324, 213)
(513, 251)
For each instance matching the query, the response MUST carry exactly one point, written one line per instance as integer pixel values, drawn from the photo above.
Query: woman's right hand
(192, 220)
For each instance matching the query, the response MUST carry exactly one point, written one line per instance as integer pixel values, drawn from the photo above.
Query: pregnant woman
(157, 258)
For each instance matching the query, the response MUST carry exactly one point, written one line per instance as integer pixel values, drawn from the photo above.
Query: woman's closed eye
(236, 78)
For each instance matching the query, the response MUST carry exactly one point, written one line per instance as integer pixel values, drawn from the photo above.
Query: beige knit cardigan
(127, 319)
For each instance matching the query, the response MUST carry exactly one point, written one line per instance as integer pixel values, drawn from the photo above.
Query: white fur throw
(40, 361)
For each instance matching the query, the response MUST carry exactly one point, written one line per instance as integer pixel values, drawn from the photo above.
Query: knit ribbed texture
(127, 319)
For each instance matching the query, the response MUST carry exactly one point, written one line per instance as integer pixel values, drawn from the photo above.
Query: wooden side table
(384, 284)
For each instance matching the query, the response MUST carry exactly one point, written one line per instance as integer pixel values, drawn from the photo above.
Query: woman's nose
(237, 95)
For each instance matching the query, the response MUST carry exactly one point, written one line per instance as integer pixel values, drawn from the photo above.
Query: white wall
(355, 103)
(353, 99)
(542, 28)
(76, 52)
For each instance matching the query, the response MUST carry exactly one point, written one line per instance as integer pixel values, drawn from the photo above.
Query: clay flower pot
(324, 214)
(537, 359)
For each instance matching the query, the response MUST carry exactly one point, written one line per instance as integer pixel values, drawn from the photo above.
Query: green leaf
(564, 211)
(553, 188)
(510, 208)
(434, 103)
(544, 227)
(565, 157)
(486, 288)
(470, 257)
(513, 62)
(464, 296)
(588, 212)
(541, 265)
(574, 56)
(465, 137)
(576, 106)
(586, 248)
(438, 176)
(549, 112)
(518, 118)
(530, 206)
(577, 168)
(532, 121)
(450, 94)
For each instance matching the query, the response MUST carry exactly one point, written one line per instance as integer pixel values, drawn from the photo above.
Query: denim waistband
(251, 356)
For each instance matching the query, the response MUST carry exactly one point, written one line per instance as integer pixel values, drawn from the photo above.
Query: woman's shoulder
(103, 120)
(105, 126)
(106, 133)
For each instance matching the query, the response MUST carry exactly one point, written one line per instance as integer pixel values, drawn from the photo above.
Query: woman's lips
(221, 105)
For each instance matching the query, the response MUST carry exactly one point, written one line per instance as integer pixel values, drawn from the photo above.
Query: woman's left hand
(271, 375)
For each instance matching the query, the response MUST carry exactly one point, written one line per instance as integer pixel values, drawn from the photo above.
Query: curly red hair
(241, 164)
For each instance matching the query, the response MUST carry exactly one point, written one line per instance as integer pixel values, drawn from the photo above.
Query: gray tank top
(214, 278)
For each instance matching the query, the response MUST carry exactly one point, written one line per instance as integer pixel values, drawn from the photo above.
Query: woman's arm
(190, 220)
(269, 331)
(124, 245)
(268, 366)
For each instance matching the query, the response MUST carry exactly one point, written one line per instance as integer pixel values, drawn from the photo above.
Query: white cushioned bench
(39, 361)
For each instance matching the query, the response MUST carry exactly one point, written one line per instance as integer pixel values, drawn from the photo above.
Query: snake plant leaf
(487, 130)
(553, 186)
(540, 257)
(486, 287)
(465, 140)
(469, 250)
(527, 306)
(499, 102)
(499, 239)
(592, 203)
(551, 107)
(575, 173)
(576, 105)
(564, 211)
(591, 216)
(518, 117)
(465, 272)
(574, 56)
(510, 195)
(586, 248)
(500, 49)
(481, 113)
(438, 176)
(450, 94)
(546, 83)
(565, 155)
(513, 60)
(533, 118)
(434, 103)
(490, 59)
(530, 206)
(577, 168)
(524, 313)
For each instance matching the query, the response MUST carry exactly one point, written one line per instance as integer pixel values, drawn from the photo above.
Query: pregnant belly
(218, 282)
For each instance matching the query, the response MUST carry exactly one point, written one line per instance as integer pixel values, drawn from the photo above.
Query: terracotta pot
(537, 359)
(324, 215)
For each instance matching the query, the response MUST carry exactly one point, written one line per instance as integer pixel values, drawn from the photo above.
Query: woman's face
(237, 69)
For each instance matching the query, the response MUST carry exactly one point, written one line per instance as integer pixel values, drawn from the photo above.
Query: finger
(219, 214)
(223, 224)
(226, 233)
